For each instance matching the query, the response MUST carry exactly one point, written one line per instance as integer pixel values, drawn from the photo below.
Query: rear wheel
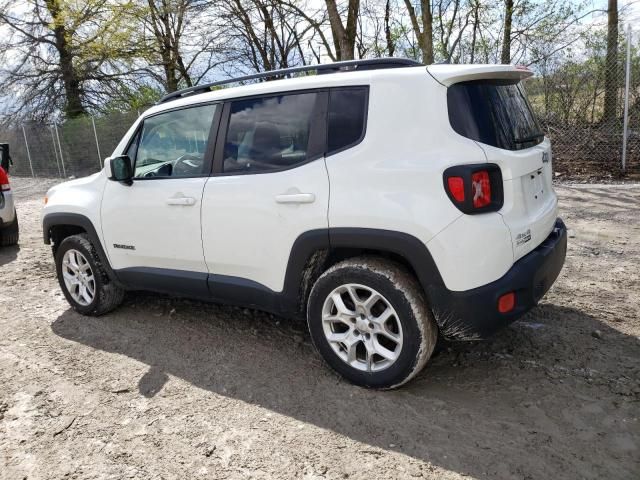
(83, 279)
(11, 234)
(370, 322)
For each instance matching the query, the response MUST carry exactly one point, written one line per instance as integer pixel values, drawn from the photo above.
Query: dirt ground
(171, 388)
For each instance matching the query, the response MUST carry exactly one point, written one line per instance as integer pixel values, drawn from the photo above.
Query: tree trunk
(427, 32)
(344, 38)
(424, 35)
(611, 67)
(476, 15)
(391, 47)
(506, 42)
(73, 102)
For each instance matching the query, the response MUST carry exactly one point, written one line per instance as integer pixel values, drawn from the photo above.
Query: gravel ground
(171, 388)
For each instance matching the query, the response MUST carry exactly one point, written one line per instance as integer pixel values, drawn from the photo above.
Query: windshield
(494, 112)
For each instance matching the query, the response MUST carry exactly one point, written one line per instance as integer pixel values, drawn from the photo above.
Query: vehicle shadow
(8, 254)
(521, 395)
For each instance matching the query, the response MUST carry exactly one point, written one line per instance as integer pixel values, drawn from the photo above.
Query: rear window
(347, 118)
(494, 112)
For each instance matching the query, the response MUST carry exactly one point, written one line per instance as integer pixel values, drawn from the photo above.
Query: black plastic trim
(164, 280)
(77, 220)
(404, 245)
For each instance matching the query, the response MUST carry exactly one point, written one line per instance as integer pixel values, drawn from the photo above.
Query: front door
(152, 230)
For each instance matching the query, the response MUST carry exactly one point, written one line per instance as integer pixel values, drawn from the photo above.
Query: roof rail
(346, 66)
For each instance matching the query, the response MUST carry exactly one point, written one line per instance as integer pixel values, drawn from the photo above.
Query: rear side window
(347, 118)
(270, 133)
(494, 112)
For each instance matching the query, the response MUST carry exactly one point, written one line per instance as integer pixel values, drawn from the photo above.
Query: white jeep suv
(386, 201)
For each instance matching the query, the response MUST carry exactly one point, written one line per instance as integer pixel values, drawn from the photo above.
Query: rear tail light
(481, 189)
(4, 181)
(456, 188)
(475, 188)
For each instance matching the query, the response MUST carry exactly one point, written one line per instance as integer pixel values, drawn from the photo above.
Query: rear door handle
(187, 201)
(296, 198)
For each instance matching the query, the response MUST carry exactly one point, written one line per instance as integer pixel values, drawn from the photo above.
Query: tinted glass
(173, 144)
(347, 115)
(494, 112)
(269, 133)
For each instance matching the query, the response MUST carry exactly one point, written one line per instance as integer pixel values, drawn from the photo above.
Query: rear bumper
(474, 315)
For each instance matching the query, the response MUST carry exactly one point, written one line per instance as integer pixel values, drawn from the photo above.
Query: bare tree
(505, 56)
(62, 56)
(424, 34)
(611, 68)
(266, 35)
(344, 36)
(182, 41)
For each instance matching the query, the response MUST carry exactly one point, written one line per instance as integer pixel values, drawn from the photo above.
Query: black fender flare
(404, 245)
(78, 220)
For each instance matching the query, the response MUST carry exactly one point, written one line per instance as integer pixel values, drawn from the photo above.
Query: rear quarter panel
(393, 180)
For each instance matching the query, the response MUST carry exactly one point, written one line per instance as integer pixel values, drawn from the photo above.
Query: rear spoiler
(449, 74)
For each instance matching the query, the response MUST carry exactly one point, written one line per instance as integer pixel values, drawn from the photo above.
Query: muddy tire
(11, 234)
(370, 322)
(83, 279)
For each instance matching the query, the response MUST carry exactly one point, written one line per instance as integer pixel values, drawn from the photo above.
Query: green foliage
(133, 99)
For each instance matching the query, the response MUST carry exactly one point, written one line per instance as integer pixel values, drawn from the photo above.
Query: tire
(11, 234)
(78, 250)
(406, 338)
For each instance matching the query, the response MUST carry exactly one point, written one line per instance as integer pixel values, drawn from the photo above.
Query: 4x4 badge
(523, 237)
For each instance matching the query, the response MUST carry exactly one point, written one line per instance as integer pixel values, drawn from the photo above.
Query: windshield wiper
(530, 138)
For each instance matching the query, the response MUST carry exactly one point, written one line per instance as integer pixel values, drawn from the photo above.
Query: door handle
(187, 201)
(296, 198)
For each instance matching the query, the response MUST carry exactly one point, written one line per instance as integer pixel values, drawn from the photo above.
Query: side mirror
(120, 169)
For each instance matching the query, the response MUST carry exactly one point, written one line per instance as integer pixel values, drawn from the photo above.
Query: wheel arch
(58, 226)
(315, 252)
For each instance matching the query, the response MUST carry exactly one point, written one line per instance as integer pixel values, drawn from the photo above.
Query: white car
(385, 201)
(9, 229)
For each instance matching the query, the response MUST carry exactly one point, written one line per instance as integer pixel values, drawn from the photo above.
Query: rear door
(497, 114)
(269, 187)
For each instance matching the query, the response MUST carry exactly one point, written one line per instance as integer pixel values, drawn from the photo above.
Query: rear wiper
(530, 138)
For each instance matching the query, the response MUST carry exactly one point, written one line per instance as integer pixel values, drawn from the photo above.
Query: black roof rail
(348, 66)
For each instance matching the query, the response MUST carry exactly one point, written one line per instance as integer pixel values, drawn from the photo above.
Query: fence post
(64, 172)
(626, 101)
(95, 134)
(24, 132)
(55, 152)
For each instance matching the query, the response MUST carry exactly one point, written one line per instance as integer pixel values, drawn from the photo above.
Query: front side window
(269, 133)
(173, 144)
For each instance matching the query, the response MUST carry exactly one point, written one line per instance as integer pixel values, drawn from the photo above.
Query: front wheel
(369, 320)
(84, 281)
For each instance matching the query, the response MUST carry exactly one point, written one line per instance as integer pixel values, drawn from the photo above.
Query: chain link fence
(584, 106)
(74, 149)
(569, 94)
